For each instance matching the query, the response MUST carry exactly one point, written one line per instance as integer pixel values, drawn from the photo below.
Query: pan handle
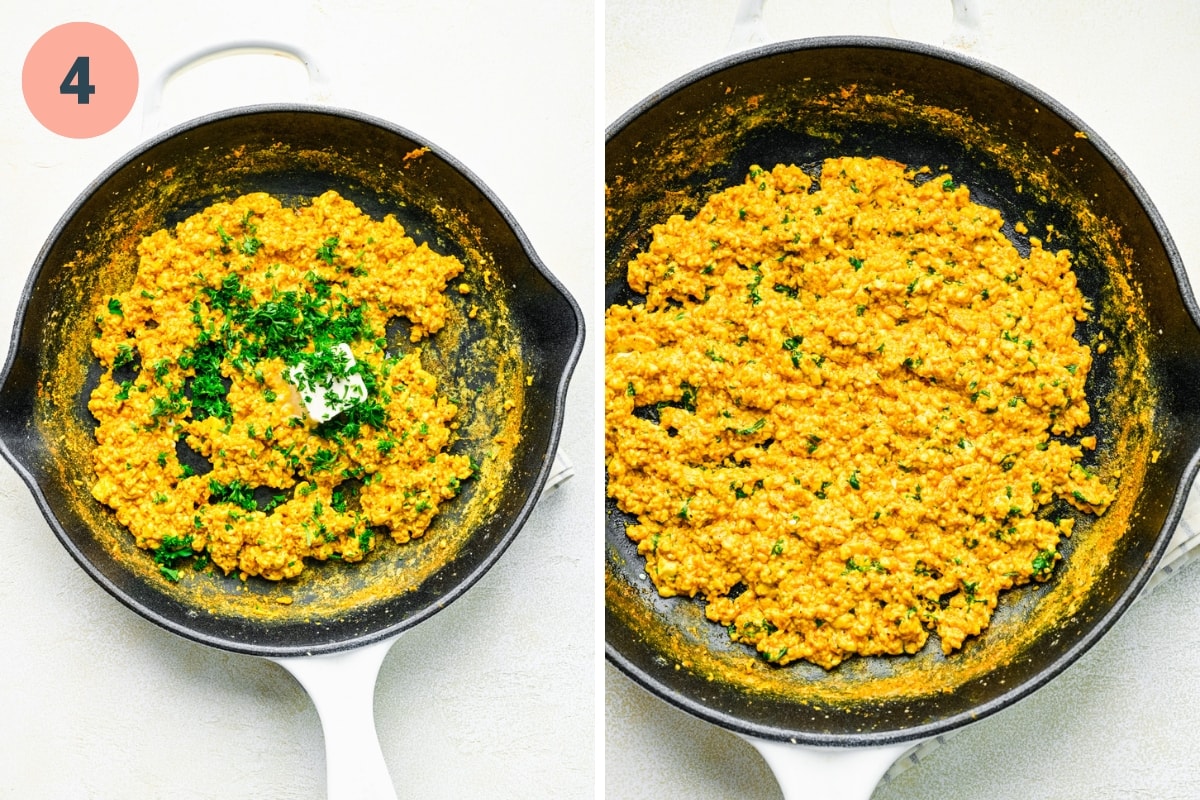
(749, 30)
(827, 773)
(342, 687)
(969, 21)
(152, 105)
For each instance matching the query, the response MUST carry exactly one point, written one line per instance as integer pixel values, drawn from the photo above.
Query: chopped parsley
(124, 356)
(172, 550)
(250, 245)
(236, 492)
(208, 388)
(326, 251)
(1043, 563)
(755, 428)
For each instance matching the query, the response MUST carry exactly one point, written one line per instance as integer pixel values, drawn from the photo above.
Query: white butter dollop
(323, 396)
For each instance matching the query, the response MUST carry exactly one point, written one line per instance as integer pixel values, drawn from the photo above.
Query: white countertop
(494, 696)
(1121, 722)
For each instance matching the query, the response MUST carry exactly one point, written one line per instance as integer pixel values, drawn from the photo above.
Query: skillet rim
(353, 637)
(1105, 621)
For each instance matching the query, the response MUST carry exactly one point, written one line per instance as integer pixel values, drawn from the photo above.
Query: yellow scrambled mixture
(204, 444)
(841, 407)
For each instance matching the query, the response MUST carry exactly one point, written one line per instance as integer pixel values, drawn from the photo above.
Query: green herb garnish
(326, 251)
(172, 550)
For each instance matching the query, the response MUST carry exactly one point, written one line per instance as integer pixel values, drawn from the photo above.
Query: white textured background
(491, 698)
(1122, 722)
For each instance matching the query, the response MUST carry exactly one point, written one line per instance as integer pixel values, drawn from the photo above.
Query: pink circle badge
(80, 80)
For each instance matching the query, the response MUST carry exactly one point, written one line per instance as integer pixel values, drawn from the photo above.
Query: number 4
(76, 82)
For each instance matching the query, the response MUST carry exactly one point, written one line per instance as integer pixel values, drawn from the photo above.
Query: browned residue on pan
(477, 358)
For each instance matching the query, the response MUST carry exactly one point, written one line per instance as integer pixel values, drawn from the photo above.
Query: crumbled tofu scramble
(842, 406)
(197, 355)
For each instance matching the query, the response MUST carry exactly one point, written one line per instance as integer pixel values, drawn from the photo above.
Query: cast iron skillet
(1023, 153)
(513, 340)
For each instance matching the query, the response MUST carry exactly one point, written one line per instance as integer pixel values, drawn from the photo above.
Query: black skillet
(1023, 153)
(515, 338)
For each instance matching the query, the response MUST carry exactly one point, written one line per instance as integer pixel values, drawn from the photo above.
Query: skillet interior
(519, 348)
(1018, 151)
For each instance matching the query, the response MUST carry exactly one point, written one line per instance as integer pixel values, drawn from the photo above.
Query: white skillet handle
(152, 104)
(342, 687)
(827, 773)
(969, 23)
(749, 30)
